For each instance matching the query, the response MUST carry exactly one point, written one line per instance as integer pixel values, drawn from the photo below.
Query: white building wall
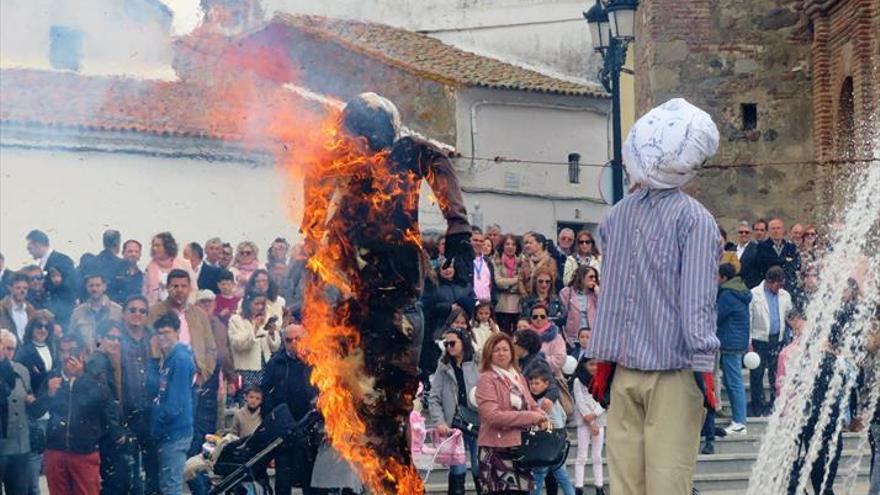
(534, 128)
(75, 196)
(550, 35)
(121, 37)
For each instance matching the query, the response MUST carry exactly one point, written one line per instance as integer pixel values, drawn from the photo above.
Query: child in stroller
(238, 465)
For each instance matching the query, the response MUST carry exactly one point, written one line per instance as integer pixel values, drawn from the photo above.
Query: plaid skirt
(499, 472)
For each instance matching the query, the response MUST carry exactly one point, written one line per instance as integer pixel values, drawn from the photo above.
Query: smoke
(187, 15)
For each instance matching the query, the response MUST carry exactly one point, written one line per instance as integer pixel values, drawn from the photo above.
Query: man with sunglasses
(105, 364)
(747, 251)
(139, 353)
(15, 310)
(286, 381)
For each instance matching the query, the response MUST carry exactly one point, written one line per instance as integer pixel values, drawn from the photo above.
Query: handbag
(450, 451)
(467, 420)
(543, 448)
(565, 398)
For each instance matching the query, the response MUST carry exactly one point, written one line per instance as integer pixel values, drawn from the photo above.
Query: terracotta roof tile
(431, 58)
(177, 108)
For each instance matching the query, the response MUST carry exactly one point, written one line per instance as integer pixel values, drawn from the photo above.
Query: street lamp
(612, 26)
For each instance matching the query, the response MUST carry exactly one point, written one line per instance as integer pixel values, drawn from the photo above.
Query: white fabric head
(667, 145)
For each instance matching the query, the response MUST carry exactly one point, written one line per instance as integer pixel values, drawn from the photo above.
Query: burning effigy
(360, 224)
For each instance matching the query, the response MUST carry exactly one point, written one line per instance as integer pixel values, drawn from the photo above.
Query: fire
(332, 347)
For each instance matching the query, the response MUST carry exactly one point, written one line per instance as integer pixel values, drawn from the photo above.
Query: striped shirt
(659, 283)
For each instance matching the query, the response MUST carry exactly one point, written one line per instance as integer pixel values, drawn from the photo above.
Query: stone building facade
(787, 82)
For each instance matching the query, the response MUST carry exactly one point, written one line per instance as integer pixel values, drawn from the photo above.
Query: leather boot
(456, 484)
(477, 486)
(600, 490)
(578, 491)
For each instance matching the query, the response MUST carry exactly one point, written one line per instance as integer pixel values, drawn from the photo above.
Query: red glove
(709, 382)
(601, 383)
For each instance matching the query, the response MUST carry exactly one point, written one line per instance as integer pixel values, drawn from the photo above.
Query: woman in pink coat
(552, 343)
(506, 408)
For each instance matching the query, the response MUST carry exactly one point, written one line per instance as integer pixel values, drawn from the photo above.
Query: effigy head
(667, 145)
(373, 117)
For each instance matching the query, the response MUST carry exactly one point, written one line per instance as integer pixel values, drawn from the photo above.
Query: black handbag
(467, 420)
(543, 448)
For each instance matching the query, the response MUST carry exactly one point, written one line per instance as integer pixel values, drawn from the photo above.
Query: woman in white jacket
(253, 337)
(591, 423)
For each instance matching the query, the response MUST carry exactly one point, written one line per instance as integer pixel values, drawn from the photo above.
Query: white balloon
(570, 365)
(752, 360)
(472, 396)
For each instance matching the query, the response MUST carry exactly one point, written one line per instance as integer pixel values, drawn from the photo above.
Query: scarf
(667, 145)
(512, 378)
(548, 332)
(509, 263)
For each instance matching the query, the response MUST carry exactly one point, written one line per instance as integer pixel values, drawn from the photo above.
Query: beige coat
(202, 341)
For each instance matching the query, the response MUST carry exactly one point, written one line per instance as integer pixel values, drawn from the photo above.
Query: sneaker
(736, 429)
(708, 448)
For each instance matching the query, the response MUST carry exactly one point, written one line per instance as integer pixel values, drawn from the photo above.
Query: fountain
(854, 256)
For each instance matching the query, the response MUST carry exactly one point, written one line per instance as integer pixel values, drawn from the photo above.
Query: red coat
(500, 423)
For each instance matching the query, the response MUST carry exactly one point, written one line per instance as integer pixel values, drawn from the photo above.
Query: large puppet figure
(362, 223)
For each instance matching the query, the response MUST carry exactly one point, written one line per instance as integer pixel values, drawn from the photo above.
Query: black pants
(145, 456)
(15, 474)
(293, 468)
(769, 352)
(116, 468)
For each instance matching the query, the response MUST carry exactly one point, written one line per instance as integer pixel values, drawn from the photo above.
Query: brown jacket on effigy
(202, 341)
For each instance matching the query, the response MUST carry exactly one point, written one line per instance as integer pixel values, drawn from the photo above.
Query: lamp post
(612, 26)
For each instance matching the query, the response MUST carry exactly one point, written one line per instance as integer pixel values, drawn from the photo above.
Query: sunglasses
(36, 278)
(743, 232)
(542, 281)
(38, 326)
(584, 241)
(449, 343)
(290, 340)
(245, 253)
(142, 311)
(811, 234)
(539, 317)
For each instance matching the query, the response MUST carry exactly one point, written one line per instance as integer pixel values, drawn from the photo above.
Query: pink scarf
(509, 263)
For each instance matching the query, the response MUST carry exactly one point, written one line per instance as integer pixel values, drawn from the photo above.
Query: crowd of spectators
(118, 371)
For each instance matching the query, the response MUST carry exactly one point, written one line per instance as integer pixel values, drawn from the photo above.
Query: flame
(332, 345)
(314, 152)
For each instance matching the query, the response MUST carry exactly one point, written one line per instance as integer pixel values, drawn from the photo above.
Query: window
(846, 136)
(574, 168)
(749, 116)
(65, 47)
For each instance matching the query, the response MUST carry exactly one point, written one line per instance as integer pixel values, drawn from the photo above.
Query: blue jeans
(559, 473)
(731, 370)
(470, 445)
(36, 463)
(172, 456)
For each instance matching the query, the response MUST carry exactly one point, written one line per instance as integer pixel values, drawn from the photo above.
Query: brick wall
(721, 54)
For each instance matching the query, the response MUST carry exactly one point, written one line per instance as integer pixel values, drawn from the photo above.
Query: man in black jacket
(47, 258)
(109, 265)
(776, 251)
(748, 252)
(80, 413)
(286, 381)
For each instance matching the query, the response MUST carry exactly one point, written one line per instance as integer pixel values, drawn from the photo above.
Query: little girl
(483, 325)
(591, 423)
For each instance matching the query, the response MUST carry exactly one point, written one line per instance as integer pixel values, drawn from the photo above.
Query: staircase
(726, 472)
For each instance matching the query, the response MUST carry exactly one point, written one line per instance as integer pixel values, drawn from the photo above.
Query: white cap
(205, 295)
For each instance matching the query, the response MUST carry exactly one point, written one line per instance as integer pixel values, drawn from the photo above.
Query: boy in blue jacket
(173, 414)
(733, 333)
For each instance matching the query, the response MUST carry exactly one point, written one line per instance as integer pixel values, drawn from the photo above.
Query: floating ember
(365, 330)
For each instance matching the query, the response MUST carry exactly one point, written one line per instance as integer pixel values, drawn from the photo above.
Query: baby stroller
(241, 464)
